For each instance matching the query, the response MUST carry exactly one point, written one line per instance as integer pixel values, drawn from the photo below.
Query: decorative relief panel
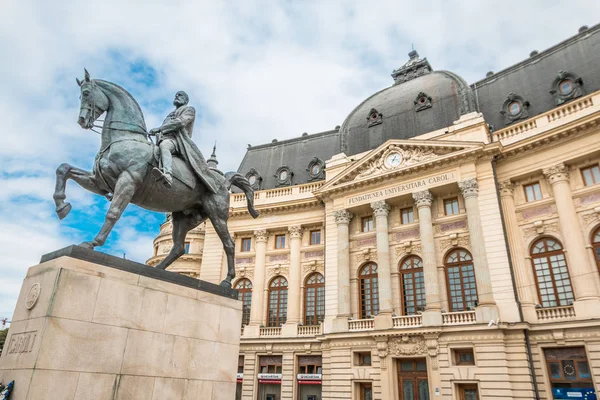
(591, 218)
(408, 248)
(451, 226)
(399, 236)
(277, 270)
(540, 227)
(313, 266)
(368, 254)
(245, 260)
(590, 198)
(536, 212)
(407, 346)
(279, 257)
(395, 157)
(451, 241)
(314, 254)
(364, 242)
(244, 272)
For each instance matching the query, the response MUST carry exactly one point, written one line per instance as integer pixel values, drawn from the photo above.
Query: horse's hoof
(63, 210)
(226, 283)
(87, 245)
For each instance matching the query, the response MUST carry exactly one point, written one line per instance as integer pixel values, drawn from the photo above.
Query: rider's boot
(167, 179)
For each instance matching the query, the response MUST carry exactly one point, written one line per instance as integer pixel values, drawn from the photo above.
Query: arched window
(244, 288)
(460, 276)
(278, 298)
(369, 291)
(551, 274)
(412, 284)
(314, 299)
(596, 245)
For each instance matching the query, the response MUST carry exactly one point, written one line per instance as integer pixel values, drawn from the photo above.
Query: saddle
(181, 171)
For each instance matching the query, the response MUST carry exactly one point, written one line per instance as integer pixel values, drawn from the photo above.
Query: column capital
(295, 232)
(469, 187)
(380, 208)
(342, 217)
(506, 188)
(261, 235)
(556, 173)
(423, 198)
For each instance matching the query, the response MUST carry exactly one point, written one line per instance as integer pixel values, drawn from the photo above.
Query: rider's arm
(179, 122)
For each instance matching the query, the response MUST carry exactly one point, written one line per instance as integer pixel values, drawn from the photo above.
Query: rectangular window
(569, 372)
(187, 248)
(407, 216)
(362, 359)
(368, 225)
(451, 206)
(365, 391)
(280, 241)
(464, 357)
(315, 237)
(468, 392)
(533, 192)
(246, 244)
(591, 175)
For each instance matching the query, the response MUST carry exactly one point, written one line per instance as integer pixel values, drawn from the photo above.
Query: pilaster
(293, 313)
(257, 311)
(342, 220)
(381, 210)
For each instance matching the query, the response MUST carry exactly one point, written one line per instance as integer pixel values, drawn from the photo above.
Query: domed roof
(420, 101)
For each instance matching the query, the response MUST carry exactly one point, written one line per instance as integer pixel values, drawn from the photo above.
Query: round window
(283, 175)
(514, 108)
(252, 179)
(565, 86)
(315, 169)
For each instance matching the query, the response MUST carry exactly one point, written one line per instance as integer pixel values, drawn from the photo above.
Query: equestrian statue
(170, 176)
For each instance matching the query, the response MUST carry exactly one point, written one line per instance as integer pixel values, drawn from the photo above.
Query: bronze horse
(123, 173)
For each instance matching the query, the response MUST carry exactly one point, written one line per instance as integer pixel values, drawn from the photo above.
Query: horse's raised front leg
(182, 224)
(84, 178)
(124, 190)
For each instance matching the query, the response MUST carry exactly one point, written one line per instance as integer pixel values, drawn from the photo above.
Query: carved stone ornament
(261, 235)
(316, 169)
(380, 208)
(342, 217)
(284, 176)
(408, 248)
(33, 295)
(413, 68)
(368, 254)
(277, 270)
(395, 157)
(254, 178)
(539, 228)
(506, 188)
(295, 232)
(312, 266)
(422, 102)
(374, 118)
(556, 173)
(423, 198)
(453, 240)
(514, 108)
(566, 86)
(469, 187)
(407, 346)
(382, 351)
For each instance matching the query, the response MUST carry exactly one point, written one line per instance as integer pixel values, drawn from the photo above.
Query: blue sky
(254, 70)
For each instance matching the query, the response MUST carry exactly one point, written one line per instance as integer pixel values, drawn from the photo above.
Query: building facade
(444, 241)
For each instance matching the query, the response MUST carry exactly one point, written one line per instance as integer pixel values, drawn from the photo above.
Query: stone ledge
(81, 253)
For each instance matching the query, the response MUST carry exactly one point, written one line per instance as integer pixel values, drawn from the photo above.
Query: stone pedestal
(92, 326)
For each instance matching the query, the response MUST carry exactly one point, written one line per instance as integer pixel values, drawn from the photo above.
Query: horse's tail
(237, 180)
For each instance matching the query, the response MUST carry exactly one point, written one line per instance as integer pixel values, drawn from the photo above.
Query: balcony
(309, 330)
(458, 318)
(281, 197)
(358, 325)
(407, 321)
(554, 314)
(270, 331)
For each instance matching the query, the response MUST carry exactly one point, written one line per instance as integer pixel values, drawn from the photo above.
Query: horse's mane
(118, 89)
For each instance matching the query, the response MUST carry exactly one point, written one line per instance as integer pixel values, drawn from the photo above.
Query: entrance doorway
(412, 379)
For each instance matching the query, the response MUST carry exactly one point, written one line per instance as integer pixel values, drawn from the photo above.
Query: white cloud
(255, 70)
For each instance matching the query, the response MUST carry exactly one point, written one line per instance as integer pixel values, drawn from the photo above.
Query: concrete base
(432, 318)
(486, 312)
(92, 326)
(587, 309)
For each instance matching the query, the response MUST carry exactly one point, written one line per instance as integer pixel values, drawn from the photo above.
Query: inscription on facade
(21, 343)
(313, 254)
(402, 189)
(536, 212)
(451, 226)
(407, 234)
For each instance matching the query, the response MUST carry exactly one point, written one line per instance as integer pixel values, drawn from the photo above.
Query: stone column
(257, 310)
(584, 275)
(342, 219)
(381, 210)
(522, 269)
(294, 302)
(432, 315)
(487, 309)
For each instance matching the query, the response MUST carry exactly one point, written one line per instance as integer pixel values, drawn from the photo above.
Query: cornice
(277, 207)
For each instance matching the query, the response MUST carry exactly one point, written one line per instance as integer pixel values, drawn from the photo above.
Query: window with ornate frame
(591, 175)
(246, 244)
(451, 206)
(315, 237)
(533, 192)
(551, 273)
(280, 241)
(314, 299)
(367, 224)
(244, 288)
(460, 280)
(407, 216)
(369, 291)
(412, 285)
(468, 391)
(596, 245)
(278, 298)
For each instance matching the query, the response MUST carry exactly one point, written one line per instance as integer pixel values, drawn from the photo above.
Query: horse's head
(93, 102)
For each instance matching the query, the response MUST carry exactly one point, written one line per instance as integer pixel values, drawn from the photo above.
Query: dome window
(315, 169)
(566, 86)
(374, 118)
(284, 176)
(422, 102)
(515, 107)
(254, 179)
